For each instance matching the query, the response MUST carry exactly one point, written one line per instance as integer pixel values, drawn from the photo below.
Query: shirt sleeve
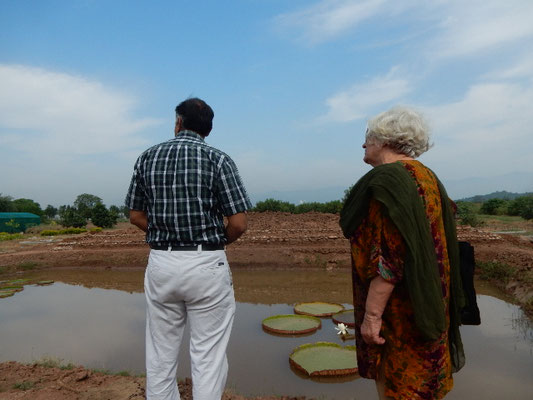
(388, 248)
(231, 193)
(136, 197)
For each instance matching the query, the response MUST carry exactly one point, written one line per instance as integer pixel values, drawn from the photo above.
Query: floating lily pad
(17, 281)
(42, 283)
(13, 288)
(345, 317)
(324, 359)
(6, 293)
(318, 309)
(291, 324)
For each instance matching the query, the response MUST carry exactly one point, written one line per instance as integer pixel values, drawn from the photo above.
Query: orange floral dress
(412, 368)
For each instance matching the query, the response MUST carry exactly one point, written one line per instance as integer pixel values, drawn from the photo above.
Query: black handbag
(470, 313)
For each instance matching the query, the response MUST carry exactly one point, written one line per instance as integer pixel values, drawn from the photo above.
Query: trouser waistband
(177, 247)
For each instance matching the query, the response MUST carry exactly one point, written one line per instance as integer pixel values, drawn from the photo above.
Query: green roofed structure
(12, 222)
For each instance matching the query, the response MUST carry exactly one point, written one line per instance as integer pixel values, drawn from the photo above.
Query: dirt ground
(273, 240)
(37, 382)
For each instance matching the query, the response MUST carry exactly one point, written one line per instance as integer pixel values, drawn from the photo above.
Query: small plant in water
(496, 270)
(28, 265)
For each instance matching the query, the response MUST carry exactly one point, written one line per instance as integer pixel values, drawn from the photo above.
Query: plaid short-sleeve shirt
(186, 187)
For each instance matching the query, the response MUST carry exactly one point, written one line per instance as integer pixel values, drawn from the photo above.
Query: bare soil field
(273, 240)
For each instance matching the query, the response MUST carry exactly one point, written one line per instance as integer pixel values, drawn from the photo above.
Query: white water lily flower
(341, 329)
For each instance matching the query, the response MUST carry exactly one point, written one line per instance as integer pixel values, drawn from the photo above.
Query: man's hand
(237, 225)
(139, 219)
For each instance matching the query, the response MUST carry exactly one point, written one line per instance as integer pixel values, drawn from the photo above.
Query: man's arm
(237, 225)
(139, 219)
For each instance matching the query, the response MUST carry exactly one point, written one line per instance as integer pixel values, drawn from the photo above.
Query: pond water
(96, 318)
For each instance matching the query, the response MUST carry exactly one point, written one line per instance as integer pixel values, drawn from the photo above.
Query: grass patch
(507, 219)
(317, 261)
(10, 236)
(493, 270)
(101, 371)
(50, 362)
(67, 231)
(28, 265)
(25, 385)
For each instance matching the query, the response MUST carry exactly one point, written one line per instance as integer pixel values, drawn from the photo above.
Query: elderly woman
(406, 282)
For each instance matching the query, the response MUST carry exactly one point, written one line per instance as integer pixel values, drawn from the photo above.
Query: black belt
(177, 247)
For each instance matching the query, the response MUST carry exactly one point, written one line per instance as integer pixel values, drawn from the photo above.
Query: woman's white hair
(401, 129)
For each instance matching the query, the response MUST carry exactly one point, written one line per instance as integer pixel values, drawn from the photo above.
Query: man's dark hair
(196, 115)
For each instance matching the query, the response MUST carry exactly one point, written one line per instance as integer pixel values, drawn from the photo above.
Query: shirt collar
(189, 134)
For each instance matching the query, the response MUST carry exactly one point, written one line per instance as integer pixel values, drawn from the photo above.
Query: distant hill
(504, 195)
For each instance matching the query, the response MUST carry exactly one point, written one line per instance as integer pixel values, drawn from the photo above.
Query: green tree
(467, 214)
(6, 203)
(494, 207)
(274, 205)
(102, 217)
(85, 202)
(50, 211)
(61, 210)
(71, 217)
(27, 205)
(332, 207)
(517, 205)
(126, 211)
(347, 193)
(526, 209)
(307, 207)
(115, 210)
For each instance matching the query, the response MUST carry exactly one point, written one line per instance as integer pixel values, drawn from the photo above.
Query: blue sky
(86, 86)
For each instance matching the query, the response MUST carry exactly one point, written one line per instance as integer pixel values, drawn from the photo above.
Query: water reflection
(104, 328)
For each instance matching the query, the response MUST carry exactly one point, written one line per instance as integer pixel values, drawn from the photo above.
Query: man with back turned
(179, 193)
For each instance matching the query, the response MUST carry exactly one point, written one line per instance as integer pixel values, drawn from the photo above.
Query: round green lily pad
(6, 293)
(318, 309)
(291, 324)
(41, 283)
(345, 317)
(13, 288)
(324, 359)
(18, 281)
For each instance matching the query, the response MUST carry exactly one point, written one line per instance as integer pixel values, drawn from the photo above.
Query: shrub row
(10, 236)
(332, 207)
(68, 231)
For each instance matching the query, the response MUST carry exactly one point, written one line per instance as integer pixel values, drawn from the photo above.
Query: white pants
(187, 284)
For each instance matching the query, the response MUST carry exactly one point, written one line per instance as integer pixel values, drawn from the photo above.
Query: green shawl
(394, 187)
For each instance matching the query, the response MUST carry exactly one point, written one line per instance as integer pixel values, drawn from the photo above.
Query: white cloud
(67, 134)
(329, 18)
(457, 27)
(485, 133)
(260, 175)
(356, 102)
(522, 68)
(65, 114)
(468, 27)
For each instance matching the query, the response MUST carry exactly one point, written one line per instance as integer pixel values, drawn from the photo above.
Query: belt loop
(199, 248)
